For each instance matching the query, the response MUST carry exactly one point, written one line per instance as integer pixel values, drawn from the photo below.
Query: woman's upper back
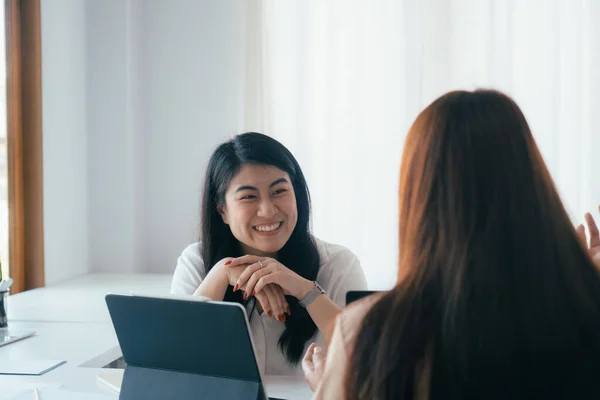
(496, 296)
(563, 371)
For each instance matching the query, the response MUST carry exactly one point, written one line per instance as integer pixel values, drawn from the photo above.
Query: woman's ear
(223, 212)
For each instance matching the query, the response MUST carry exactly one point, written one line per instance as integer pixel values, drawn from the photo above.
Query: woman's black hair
(299, 254)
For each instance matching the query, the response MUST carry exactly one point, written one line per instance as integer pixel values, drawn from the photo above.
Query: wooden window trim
(24, 143)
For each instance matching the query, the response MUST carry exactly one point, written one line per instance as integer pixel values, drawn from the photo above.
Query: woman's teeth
(267, 228)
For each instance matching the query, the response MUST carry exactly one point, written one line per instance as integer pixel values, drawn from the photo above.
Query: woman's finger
(593, 230)
(242, 280)
(308, 365)
(247, 259)
(308, 357)
(266, 279)
(275, 302)
(286, 306)
(254, 278)
(245, 275)
(263, 299)
(318, 358)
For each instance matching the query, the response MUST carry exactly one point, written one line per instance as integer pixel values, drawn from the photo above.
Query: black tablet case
(175, 349)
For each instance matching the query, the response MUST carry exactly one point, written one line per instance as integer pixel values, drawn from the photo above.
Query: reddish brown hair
(496, 296)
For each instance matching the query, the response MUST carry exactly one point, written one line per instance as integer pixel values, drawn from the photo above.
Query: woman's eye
(249, 197)
(279, 191)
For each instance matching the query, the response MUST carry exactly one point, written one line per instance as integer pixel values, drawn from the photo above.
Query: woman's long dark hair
(496, 296)
(299, 254)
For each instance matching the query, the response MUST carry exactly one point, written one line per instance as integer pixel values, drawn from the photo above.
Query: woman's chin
(267, 249)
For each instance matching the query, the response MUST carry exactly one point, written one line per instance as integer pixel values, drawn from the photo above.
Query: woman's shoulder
(333, 253)
(339, 271)
(192, 251)
(351, 317)
(189, 271)
(191, 257)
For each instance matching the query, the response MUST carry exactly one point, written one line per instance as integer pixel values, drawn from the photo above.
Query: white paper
(61, 394)
(28, 367)
(12, 390)
(112, 380)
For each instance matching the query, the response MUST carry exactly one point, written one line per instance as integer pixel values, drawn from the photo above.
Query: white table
(82, 299)
(73, 324)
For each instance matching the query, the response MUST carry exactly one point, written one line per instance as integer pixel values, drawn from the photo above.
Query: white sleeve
(189, 272)
(351, 277)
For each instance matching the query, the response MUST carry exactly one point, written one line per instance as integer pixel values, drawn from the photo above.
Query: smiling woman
(260, 209)
(256, 237)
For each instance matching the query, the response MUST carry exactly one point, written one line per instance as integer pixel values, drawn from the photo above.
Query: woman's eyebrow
(247, 187)
(278, 181)
(242, 188)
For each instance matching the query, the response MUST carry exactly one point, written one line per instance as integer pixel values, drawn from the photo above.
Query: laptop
(185, 348)
(354, 295)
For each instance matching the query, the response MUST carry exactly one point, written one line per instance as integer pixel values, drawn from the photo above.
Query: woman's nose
(266, 208)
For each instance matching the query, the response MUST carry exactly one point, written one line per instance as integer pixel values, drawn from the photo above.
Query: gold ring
(261, 264)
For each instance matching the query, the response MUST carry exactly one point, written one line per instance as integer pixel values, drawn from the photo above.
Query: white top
(339, 272)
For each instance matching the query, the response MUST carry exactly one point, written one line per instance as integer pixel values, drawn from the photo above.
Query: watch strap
(312, 295)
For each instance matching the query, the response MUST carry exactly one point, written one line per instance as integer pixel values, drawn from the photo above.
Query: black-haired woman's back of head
(496, 297)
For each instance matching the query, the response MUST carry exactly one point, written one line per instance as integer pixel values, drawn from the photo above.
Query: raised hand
(594, 243)
(313, 365)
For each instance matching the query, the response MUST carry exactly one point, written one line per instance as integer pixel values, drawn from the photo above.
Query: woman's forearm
(214, 284)
(323, 312)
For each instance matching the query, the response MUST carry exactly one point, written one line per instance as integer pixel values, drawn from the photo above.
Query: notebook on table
(8, 335)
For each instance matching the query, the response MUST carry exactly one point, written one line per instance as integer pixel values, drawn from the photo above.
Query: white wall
(136, 94)
(192, 62)
(112, 134)
(65, 139)
(164, 88)
(126, 137)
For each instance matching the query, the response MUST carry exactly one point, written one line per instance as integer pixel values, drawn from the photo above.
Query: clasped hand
(271, 299)
(262, 271)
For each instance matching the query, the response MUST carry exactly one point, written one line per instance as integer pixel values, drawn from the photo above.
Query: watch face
(319, 287)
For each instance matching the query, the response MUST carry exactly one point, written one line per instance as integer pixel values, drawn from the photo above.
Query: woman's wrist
(221, 274)
(307, 286)
(214, 285)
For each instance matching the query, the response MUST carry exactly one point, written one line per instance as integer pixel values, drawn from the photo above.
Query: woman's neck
(247, 250)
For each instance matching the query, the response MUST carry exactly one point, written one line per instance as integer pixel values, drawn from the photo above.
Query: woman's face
(260, 209)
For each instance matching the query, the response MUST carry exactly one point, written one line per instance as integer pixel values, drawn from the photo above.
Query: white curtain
(340, 81)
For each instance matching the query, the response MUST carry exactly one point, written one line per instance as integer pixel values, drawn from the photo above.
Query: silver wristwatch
(312, 295)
